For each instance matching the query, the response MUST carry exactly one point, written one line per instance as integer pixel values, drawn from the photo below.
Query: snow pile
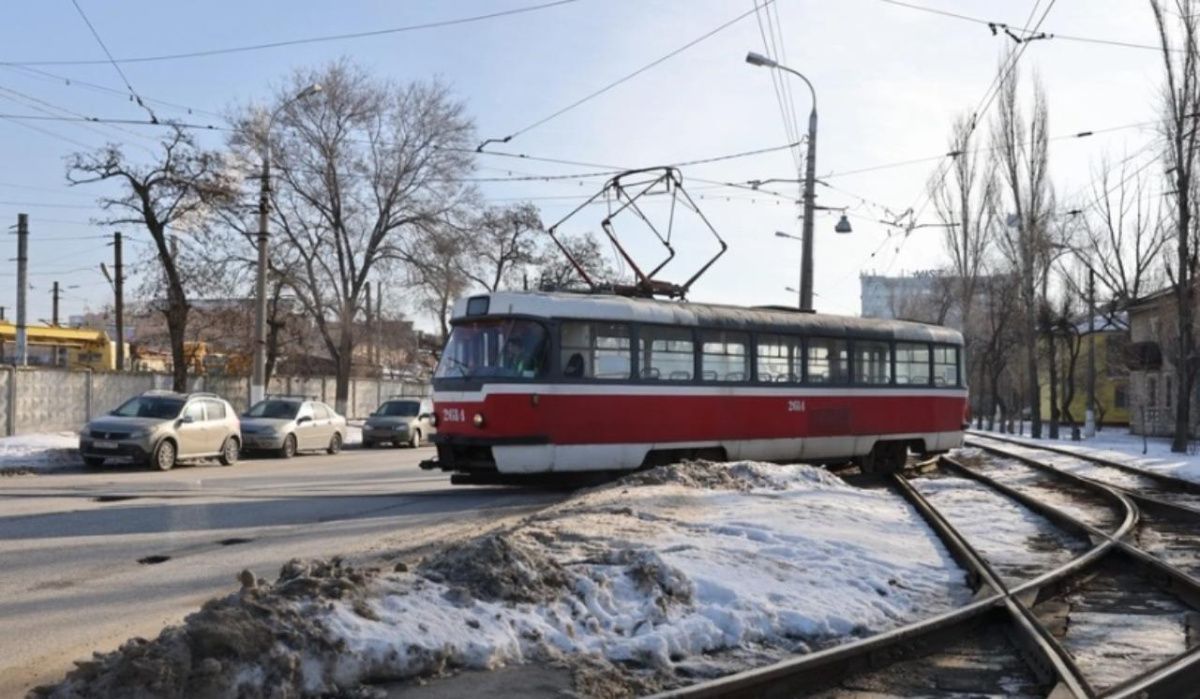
(669, 566)
(49, 451)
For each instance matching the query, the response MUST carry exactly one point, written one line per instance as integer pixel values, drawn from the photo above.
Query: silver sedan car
(290, 424)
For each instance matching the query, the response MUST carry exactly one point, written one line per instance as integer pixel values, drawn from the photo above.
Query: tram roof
(611, 307)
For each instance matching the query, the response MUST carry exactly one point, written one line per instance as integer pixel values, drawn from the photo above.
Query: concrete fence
(51, 400)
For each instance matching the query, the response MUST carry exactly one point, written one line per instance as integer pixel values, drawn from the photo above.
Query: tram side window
(596, 351)
(828, 361)
(912, 363)
(945, 366)
(872, 362)
(724, 356)
(780, 358)
(667, 353)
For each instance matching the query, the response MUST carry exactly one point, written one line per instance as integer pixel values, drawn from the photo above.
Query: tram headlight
(478, 419)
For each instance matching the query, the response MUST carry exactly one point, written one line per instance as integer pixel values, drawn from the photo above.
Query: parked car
(290, 424)
(162, 428)
(399, 421)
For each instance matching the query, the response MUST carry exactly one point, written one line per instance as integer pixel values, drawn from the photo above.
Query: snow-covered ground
(666, 567)
(39, 452)
(1019, 543)
(1118, 444)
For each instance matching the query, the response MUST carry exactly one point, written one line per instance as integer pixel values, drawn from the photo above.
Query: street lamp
(810, 176)
(258, 378)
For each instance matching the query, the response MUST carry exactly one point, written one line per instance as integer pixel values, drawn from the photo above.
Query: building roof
(52, 333)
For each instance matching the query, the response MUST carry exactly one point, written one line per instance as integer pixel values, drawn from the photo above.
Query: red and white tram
(541, 382)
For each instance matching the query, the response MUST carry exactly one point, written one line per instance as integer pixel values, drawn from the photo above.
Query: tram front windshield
(494, 349)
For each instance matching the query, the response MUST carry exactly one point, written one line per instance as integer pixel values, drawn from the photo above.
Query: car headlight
(400, 428)
(138, 434)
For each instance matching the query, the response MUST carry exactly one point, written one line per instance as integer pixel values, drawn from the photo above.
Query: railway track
(1104, 603)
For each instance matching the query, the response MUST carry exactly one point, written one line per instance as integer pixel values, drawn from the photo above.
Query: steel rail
(1174, 677)
(1177, 483)
(822, 668)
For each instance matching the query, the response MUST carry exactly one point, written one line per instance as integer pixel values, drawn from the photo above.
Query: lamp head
(757, 59)
(843, 225)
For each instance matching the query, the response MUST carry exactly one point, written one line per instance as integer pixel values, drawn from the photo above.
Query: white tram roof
(615, 308)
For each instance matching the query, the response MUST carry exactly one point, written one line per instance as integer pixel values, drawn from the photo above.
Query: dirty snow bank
(640, 575)
(1122, 446)
(48, 451)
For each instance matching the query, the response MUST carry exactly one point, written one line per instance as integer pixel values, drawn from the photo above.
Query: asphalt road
(88, 560)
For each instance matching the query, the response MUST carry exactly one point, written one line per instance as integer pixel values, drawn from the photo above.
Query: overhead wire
(95, 34)
(300, 41)
(625, 78)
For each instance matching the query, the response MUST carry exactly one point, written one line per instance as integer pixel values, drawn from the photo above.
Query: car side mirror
(187, 419)
(424, 416)
(303, 420)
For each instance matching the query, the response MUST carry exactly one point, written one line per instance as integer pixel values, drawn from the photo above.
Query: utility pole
(1089, 421)
(54, 296)
(118, 285)
(22, 285)
(2, 312)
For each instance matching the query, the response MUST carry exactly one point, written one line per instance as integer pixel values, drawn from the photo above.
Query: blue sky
(889, 80)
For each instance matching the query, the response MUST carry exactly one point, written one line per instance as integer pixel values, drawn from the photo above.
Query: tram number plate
(795, 406)
(454, 415)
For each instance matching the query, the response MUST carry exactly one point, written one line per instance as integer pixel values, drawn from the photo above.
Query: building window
(1167, 393)
(945, 366)
(667, 354)
(779, 358)
(724, 356)
(828, 361)
(1151, 392)
(872, 362)
(1120, 396)
(912, 363)
(596, 351)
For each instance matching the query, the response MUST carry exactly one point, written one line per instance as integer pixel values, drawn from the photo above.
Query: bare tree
(1177, 32)
(361, 168)
(435, 263)
(1123, 235)
(557, 272)
(1021, 147)
(965, 203)
(501, 245)
(177, 191)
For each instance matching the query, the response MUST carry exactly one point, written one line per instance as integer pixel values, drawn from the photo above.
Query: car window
(215, 409)
(320, 412)
(279, 409)
(194, 410)
(306, 410)
(332, 412)
(152, 407)
(399, 408)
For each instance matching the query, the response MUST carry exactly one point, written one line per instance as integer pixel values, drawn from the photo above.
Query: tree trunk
(1031, 363)
(1185, 374)
(343, 363)
(1052, 350)
(176, 314)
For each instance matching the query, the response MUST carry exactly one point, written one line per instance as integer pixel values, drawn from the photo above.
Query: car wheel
(288, 450)
(164, 455)
(229, 451)
(415, 441)
(335, 443)
(93, 461)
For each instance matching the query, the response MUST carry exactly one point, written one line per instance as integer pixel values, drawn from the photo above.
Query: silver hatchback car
(161, 428)
(290, 424)
(400, 422)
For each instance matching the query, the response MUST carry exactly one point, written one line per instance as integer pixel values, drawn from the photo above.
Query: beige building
(1154, 367)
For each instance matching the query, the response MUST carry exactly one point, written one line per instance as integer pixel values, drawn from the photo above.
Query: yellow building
(71, 348)
(1112, 374)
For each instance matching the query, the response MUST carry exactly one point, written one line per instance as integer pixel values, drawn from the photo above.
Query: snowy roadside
(1116, 444)
(649, 579)
(39, 452)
